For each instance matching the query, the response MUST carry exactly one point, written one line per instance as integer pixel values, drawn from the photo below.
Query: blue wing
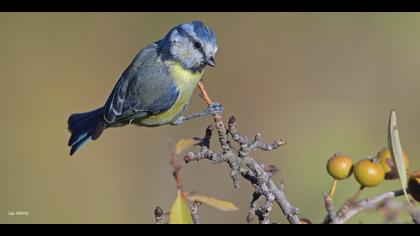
(145, 88)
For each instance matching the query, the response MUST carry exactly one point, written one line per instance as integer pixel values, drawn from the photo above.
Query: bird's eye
(197, 45)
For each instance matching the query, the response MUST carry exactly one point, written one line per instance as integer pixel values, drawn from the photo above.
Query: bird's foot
(214, 109)
(179, 120)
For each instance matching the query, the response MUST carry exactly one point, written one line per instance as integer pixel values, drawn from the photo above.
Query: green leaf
(397, 151)
(214, 202)
(180, 213)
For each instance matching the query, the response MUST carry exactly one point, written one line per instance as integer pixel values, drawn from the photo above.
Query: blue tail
(85, 127)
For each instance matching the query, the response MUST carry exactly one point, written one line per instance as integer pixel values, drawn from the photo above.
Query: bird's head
(192, 44)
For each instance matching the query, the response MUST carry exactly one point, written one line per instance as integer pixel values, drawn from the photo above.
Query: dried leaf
(184, 144)
(180, 213)
(397, 152)
(213, 202)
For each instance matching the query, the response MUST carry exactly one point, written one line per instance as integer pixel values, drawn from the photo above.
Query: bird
(156, 87)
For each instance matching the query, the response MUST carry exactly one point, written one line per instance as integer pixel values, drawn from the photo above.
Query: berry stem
(356, 195)
(333, 188)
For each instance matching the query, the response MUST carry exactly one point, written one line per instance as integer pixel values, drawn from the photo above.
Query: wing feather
(144, 88)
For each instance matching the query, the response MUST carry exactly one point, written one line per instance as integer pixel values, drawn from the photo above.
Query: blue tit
(155, 89)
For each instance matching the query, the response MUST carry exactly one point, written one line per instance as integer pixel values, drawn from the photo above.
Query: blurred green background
(325, 82)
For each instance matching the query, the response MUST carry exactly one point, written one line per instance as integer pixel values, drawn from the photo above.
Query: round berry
(340, 166)
(385, 159)
(369, 173)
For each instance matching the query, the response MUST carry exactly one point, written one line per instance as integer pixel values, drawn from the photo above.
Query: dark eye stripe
(200, 49)
(193, 41)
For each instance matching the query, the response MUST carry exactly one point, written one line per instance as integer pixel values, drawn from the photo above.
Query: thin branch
(195, 206)
(329, 205)
(204, 94)
(265, 209)
(253, 207)
(410, 209)
(415, 215)
(242, 164)
(159, 216)
(176, 169)
(348, 212)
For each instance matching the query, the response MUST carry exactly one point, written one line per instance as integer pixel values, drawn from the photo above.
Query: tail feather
(83, 126)
(79, 144)
(75, 119)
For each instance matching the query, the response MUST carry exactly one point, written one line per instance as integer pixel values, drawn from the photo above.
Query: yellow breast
(186, 81)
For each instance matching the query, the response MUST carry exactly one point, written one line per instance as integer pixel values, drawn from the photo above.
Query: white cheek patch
(185, 53)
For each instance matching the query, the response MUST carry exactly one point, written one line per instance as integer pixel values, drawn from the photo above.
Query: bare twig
(194, 212)
(253, 207)
(329, 205)
(415, 215)
(242, 164)
(348, 212)
(159, 216)
(176, 170)
(391, 208)
(265, 209)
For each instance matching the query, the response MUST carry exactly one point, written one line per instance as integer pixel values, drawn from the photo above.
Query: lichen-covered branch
(348, 212)
(415, 215)
(350, 209)
(195, 206)
(237, 152)
(159, 216)
(242, 164)
(329, 205)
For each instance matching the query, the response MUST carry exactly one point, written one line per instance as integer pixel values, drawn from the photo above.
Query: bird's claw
(178, 121)
(215, 109)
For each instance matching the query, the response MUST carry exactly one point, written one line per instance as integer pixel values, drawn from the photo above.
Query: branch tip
(232, 120)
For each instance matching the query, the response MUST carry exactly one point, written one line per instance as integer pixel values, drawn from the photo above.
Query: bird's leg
(214, 109)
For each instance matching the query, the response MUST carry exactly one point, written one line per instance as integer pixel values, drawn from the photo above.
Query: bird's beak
(210, 61)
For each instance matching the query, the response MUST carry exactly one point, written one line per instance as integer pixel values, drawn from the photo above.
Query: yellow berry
(369, 173)
(388, 165)
(340, 166)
